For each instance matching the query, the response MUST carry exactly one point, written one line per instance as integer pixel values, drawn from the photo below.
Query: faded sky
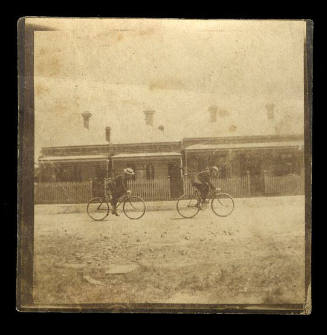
(112, 66)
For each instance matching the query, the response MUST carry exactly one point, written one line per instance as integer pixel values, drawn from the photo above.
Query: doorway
(176, 185)
(256, 177)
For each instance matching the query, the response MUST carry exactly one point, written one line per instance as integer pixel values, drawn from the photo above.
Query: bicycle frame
(125, 199)
(214, 195)
(121, 199)
(211, 195)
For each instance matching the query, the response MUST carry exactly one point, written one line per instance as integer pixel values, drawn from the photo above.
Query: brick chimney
(86, 119)
(149, 117)
(108, 133)
(212, 113)
(270, 111)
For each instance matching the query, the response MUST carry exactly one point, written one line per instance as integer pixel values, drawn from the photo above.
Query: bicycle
(133, 207)
(222, 204)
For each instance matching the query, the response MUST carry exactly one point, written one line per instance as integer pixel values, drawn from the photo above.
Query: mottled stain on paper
(41, 90)
(232, 128)
(223, 113)
(175, 84)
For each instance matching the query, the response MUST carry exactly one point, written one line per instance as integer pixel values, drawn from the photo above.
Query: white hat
(215, 168)
(129, 171)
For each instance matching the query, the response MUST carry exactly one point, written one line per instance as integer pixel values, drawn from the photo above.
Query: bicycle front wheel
(187, 207)
(222, 205)
(134, 207)
(98, 209)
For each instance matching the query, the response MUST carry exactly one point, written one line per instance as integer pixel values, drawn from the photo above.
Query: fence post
(264, 181)
(91, 184)
(248, 178)
(36, 194)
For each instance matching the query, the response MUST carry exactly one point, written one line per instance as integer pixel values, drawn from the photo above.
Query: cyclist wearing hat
(202, 181)
(118, 187)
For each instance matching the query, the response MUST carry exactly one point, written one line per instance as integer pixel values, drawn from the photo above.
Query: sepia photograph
(164, 165)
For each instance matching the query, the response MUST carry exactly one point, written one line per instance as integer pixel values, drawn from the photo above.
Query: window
(149, 171)
(100, 172)
(213, 161)
(286, 164)
(193, 164)
(64, 173)
(77, 173)
(222, 163)
(203, 163)
(223, 171)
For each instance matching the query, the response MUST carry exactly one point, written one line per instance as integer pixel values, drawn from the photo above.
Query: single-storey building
(161, 161)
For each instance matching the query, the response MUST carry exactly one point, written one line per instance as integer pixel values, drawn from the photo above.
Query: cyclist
(118, 187)
(203, 184)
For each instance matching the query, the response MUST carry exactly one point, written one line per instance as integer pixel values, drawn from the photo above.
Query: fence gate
(175, 181)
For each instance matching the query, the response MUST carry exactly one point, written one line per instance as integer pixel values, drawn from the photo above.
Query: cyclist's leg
(117, 198)
(114, 200)
(206, 190)
(110, 191)
(198, 187)
(201, 189)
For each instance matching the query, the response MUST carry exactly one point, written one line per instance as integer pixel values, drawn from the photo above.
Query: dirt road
(254, 256)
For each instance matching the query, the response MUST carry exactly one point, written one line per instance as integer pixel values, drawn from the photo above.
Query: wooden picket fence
(284, 185)
(236, 186)
(155, 189)
(159, 188)
(62, 193)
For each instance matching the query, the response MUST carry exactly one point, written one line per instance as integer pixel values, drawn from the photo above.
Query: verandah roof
(268, 145)
(84, 158)
(147, 155)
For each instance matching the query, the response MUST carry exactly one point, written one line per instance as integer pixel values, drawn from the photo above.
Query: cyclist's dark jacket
(118, 185)
(203, 177)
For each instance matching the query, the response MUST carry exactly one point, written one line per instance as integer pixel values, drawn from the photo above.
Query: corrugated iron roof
(74, 158)
(223, 146)
(147, 155)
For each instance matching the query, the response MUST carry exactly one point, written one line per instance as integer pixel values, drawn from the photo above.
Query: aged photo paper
(164, 165)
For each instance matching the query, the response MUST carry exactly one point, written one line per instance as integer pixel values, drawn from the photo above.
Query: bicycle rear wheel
(187, 207)
(98, 209)
(222, 205)
(134, 207)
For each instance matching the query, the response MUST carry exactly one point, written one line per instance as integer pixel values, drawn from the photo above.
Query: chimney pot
(213, 113)
(149, 117)
(86, 119)
(108, 133)
(270, 111)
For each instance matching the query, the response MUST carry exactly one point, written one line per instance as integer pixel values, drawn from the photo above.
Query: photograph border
(25, 199)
